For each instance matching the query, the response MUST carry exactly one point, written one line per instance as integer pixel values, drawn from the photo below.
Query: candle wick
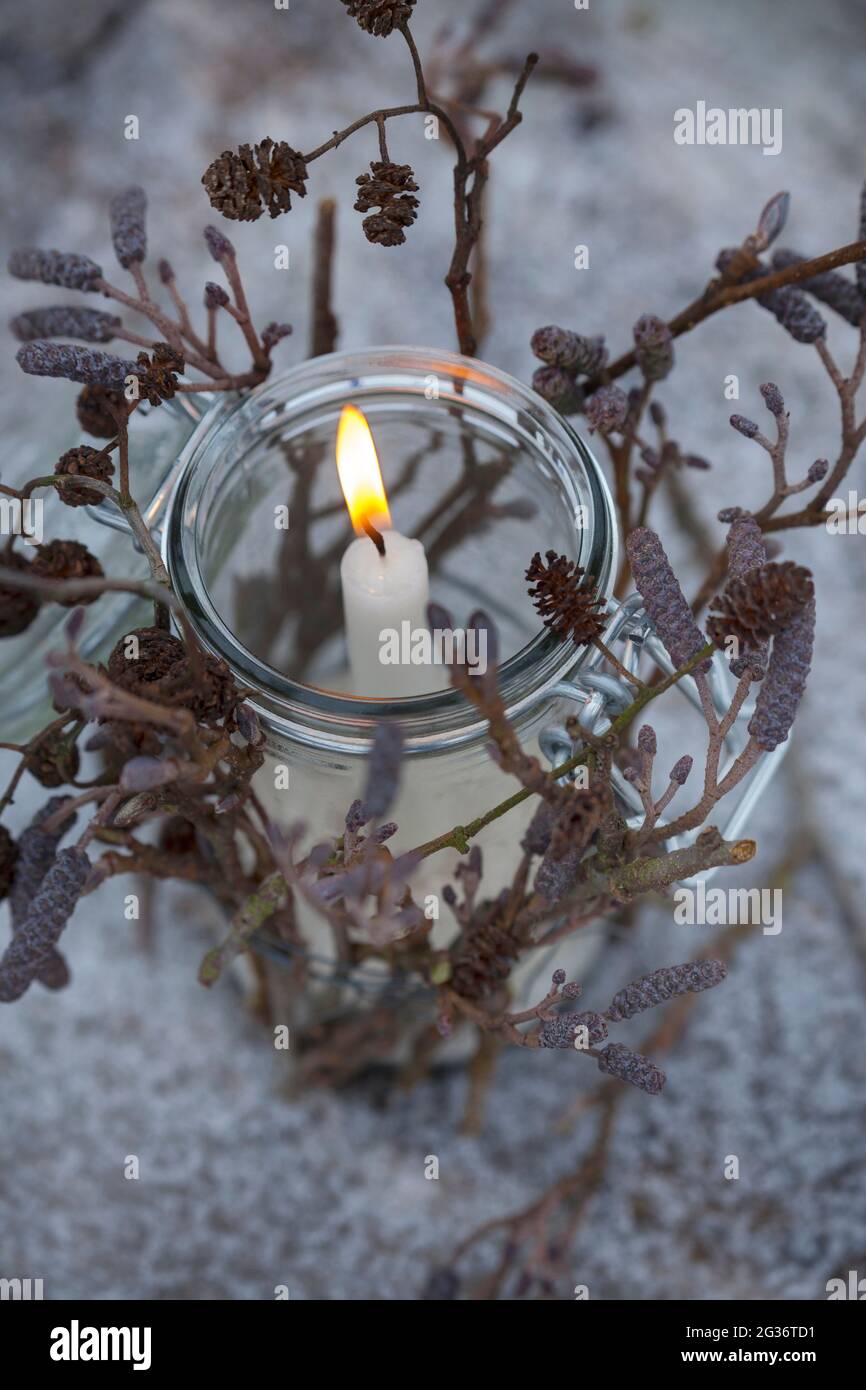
(375, 536)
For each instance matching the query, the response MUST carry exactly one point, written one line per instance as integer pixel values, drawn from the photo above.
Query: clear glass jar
(475, 465)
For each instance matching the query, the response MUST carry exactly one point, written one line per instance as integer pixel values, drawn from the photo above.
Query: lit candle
(384, 577)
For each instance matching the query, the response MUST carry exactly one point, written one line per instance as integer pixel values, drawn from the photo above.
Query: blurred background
(241, 1189)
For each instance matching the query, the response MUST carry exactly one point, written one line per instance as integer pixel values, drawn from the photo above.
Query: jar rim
(302, 713)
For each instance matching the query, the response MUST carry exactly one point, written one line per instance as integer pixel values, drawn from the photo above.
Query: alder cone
(94, 415)
(380, 17)
(217, 694)
(566, 598)
(163, 673)
(654, 347)
(158, 652)
(607, 409)
(158, 373)
(67, 560)
(177, 835)
(17, 609)
(244, 184)
(760, 604)
(54, 761)
(83, 462)
(391, 188)
(485, 961)
(125, 739)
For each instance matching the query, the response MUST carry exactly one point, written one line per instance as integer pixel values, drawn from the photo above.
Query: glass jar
(477, 467)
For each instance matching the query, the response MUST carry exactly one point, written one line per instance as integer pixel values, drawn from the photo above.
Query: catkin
(665, 603)
(662, 984)
(783, 686)
(55, 268)
(632, 1067)
(48, 914)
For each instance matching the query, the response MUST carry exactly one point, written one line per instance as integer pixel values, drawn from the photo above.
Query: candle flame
(360, 475)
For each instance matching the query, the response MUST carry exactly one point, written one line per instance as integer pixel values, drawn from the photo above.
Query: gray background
(241, 1190)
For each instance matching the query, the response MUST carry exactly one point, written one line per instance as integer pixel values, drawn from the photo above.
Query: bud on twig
(771, 221)
(560, 1032)
(654, 347)
(559, 388)
(215, 297)
(681, 769)
(127, 213)
(219, 245)
(646, 740)
(607, 409)
(559, 347)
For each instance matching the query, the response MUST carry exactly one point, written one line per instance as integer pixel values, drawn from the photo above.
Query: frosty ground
(240, 1190)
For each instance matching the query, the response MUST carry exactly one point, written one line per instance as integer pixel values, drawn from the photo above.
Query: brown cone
(566, 598)
(54, 761)
(163, 673)
(761, 604)
(390, 187)
(17, 609)
(83, 462)
(67, 560)
(93, 413)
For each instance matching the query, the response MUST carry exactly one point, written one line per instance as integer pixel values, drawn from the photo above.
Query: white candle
(381, 595)
(384, 578)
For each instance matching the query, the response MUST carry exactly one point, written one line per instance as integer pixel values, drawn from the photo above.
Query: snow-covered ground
(240, 1189)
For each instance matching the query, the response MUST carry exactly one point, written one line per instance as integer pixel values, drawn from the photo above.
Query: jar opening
(476, 448)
